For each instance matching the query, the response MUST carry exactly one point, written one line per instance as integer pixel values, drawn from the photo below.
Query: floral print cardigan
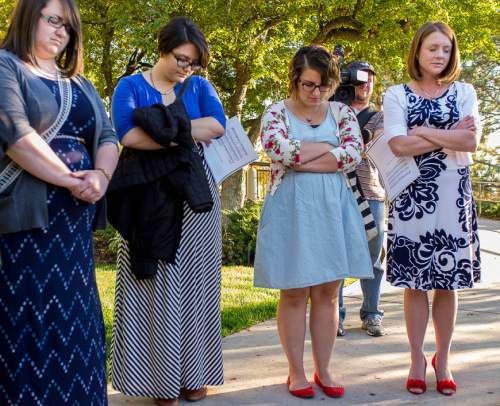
(284, 151)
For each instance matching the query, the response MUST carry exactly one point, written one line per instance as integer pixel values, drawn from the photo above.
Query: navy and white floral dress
(432, 240)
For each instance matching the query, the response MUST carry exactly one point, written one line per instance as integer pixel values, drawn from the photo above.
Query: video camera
(353, 75)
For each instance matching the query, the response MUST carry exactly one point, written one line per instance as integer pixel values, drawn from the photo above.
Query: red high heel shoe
(447, 385)
(414, 386)
(304, 393)
(332, 391)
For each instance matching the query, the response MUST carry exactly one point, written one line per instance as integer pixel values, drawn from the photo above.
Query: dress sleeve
(14, 122)
(470, 107)
(275, 138)
(122, 107)
(348, 153)
(210, 105)
(108, 133)
(394, 114)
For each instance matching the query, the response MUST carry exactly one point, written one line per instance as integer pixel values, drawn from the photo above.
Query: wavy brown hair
(452, 70)
(20, 38)
(314, 57)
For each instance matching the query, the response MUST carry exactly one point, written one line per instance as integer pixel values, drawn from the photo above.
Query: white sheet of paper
(229, 153)
(396, 172)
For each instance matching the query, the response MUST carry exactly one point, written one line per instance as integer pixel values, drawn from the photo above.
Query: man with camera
(371, 124)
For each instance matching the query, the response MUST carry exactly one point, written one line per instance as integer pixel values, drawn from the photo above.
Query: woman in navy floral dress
(432, 239)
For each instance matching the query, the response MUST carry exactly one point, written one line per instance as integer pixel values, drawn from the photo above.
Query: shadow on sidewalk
(373, 370)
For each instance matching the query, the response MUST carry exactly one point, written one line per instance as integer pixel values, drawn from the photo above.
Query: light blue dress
(311, 231)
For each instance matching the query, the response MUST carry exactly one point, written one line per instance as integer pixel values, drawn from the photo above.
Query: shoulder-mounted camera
(354, 74)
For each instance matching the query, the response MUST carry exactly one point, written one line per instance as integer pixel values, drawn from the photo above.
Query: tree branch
(360, 4)
(345, 27)
(101, 21)
(134, 63)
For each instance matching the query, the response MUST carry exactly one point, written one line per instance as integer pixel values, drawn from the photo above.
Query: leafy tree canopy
(253, 41)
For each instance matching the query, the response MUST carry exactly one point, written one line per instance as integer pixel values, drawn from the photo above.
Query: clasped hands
(88, 185)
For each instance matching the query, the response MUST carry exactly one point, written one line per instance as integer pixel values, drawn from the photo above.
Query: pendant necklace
(166, 93)
(309, 119)
(46, 74)
(429, 95)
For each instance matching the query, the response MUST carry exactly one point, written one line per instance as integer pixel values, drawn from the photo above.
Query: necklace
(429, 95)
(40, 72)
(166, 93)
(309, 118)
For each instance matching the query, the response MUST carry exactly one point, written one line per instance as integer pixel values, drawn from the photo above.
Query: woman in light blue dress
(311, 233)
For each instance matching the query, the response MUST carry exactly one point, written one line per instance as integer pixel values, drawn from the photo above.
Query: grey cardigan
(28, 106)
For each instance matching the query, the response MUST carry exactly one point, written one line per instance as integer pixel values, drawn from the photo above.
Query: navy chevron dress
(432, 239)
(52, 341)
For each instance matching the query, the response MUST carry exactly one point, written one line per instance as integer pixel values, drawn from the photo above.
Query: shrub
(106, 245)
(490, 210)
(239, 233)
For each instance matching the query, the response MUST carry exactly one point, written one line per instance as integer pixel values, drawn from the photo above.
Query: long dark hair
(20, 38)
(180, 31)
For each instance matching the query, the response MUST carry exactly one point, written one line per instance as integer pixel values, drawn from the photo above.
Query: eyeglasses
(310, 87)
(56, 22)
(184, 63)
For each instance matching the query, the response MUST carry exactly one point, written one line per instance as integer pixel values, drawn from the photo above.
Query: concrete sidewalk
(373, 370)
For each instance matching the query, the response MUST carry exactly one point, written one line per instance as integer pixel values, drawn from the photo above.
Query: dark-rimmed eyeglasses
(56, 22)
(310, 87)
(184, 63)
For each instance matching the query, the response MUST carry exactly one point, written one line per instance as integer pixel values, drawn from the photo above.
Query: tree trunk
(107, 64)
(237, 100)
(233, 192)
(233, 189)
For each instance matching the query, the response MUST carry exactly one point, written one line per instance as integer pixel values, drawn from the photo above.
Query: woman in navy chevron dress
(52, 338)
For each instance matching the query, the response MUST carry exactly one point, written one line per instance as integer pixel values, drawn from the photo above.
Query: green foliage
(487, 164)
(490, 210)
(252, 42)
(5, 11)
(106, 245)
(106, 278)
(487, 196)
(239, 234)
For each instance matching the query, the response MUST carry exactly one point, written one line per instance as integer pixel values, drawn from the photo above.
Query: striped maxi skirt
(167, 331)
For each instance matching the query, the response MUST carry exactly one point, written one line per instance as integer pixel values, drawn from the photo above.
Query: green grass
(105, 277)
(242, 305)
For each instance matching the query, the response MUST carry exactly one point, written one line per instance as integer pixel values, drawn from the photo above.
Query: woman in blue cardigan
(166, 340)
